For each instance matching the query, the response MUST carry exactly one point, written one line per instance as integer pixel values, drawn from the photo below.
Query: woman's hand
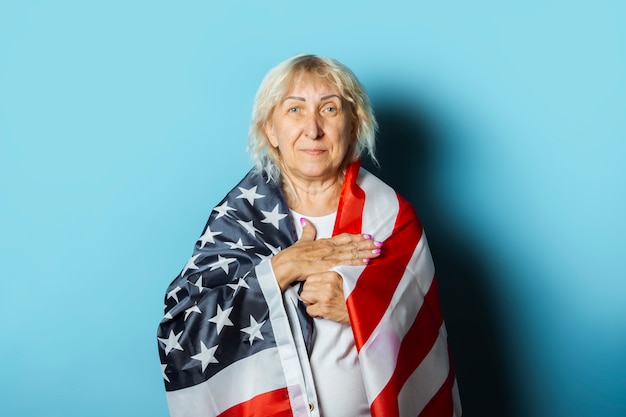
(323, 297)
(309, 256)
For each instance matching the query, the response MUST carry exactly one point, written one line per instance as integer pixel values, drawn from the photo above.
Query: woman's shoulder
(254, 185)
(370, 183)
(386, 198)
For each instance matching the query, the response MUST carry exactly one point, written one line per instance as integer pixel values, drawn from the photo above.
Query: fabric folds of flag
(226, 343)
(394, 308)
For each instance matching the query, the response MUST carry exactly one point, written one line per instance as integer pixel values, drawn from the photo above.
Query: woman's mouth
(313, 152)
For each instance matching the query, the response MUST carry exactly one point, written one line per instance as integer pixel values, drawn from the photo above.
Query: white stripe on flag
(379, 353)
(381, 207)
(456, 400)
(289, 359)
(378, 218)
(429, 376)
(218, 394)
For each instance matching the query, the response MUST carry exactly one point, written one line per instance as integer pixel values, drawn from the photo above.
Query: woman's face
(311, 127)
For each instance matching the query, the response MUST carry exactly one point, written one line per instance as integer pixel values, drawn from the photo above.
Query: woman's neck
(313, 198)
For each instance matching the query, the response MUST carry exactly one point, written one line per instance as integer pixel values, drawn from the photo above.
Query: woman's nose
(313, 127)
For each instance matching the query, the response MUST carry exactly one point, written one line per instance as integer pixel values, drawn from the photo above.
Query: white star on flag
(238, 245)
(198, 283)
(254, 330)
(273, 216)
(223, 210)
(173, 294)
(208, 237)
(264, 257)
(206, 356)
(222, 263)
(240, 284)
(249, 195)
(171, 342)
(272, 248)
(221, 318)
(190, 264)
(249, 226)
(192, 309)
(163, 366)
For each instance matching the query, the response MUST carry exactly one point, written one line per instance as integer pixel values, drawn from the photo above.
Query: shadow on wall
(409, 147)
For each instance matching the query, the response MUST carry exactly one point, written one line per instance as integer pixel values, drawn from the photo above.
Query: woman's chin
(314, 173)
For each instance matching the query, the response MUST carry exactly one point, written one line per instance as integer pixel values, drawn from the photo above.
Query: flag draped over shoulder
(227, 346)
(394, 308)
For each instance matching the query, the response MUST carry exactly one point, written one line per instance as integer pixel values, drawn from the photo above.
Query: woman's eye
(330, 109)
(294, 110)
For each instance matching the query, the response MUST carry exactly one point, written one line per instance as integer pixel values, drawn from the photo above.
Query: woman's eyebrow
(303, 99)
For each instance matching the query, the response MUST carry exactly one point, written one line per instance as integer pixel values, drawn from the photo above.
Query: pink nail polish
(366, 260)
(302, 221)
(379, 244)
(367, 236)
(376, 251)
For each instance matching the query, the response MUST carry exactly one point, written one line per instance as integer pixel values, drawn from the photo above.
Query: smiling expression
(312, 129)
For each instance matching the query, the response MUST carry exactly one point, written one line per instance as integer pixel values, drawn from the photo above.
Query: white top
(334, 359)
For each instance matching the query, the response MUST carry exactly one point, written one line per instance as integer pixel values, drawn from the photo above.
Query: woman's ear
(268, 128)
(353, 129)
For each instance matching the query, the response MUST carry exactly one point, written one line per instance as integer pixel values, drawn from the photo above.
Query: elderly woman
(311, 291)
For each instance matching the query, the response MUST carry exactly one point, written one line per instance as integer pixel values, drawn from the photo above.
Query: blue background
(123, 123)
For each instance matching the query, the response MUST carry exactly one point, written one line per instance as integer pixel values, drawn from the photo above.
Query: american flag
(227, 347)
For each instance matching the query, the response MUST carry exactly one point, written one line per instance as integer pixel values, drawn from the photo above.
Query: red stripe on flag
(273, 403)
(369, 300)
(416, 344)
(352, 196)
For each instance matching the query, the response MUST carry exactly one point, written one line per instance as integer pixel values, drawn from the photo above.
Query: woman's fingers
(357, 248)
(323, 295)
(308, 231)
(324, 254)
(308, 256)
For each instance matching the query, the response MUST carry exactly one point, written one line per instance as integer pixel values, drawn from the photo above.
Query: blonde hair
(279, 81)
